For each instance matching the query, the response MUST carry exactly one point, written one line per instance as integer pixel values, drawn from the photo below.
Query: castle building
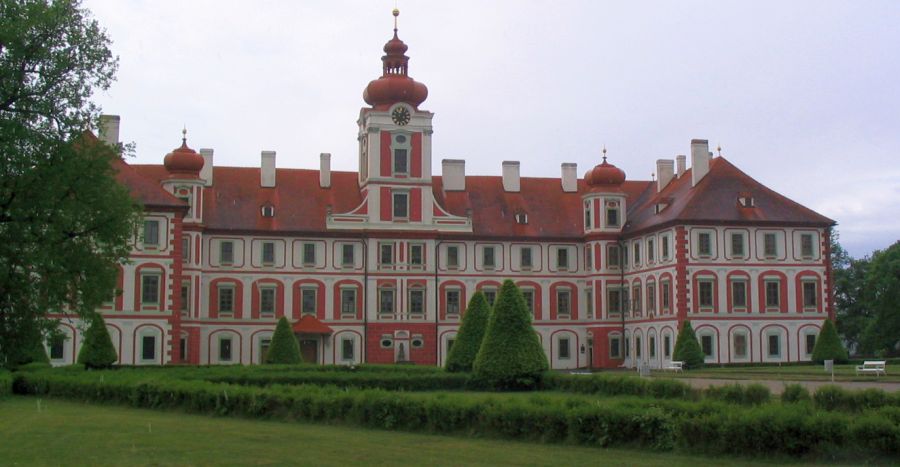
(377, 265)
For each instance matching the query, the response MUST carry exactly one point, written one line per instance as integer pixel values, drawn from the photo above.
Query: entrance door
(309, 349)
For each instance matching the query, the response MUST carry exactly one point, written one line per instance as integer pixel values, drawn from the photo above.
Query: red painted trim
(255, 297)
(385, 159)
(387, 203)
(161, 305)
(214, 297)
(798, 290)
(706, 276)
(415, 205)
(320, 298)
(416, 159)
(782, 290)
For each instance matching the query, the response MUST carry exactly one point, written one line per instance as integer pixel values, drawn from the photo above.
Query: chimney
(665, 171)
(569, 177)
(325, 170)
(109, 129)
(267, 169)
(699, 160)
(680, 161)
(453, 174)
(511, 176)
(206, 173)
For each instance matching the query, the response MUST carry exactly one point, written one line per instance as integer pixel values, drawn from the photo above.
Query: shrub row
(619, 385)
(364, 380)
(706, 426)
(830, 397)
(749, 394)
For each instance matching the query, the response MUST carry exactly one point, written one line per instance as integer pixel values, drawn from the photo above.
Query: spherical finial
(184, 134)
(396, 12)
(604, 153)
(719, 149)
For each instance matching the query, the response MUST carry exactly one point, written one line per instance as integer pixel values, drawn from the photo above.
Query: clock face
(400, 116)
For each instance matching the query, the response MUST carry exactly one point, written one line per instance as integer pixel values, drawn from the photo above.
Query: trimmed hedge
(471, 333)
(750, 394)
(97, 351)
(830, 397)
(363, 380)
(687, 347)
(828, 345)
(619, 385)
(283, 348)
(712, 427)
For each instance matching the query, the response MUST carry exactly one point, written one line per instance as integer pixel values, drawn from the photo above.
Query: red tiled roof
(309, 324)
(235, 201)
(715, 200)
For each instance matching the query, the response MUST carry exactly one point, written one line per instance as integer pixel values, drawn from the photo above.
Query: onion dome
(184, 161)
(394, 85)
(604, 175)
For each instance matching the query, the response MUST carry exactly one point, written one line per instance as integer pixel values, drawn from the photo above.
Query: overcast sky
(803, 95)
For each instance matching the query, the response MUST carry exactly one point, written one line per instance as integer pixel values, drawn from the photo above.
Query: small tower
(604, 202)
(183, 165)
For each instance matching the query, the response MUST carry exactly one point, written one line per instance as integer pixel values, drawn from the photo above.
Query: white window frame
(222, 249)
(147, 275)
(447, 294)
(263, 290)
(304, 292)
(400, 199)
(268, 244)
(221, 288)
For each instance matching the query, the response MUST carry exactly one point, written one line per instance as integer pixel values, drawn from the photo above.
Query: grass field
(67, 433)
(787, 373)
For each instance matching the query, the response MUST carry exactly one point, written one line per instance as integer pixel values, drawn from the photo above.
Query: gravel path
(777, 386)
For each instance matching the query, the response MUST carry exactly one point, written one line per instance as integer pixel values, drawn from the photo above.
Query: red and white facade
(378, 265)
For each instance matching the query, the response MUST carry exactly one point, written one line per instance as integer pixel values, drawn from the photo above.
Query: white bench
(673, 365)
(871, 367)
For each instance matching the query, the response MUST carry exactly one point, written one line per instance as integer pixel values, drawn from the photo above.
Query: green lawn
(78, 434)
(787, 372)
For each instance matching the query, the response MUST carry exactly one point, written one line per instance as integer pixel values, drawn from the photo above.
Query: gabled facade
(378, 265)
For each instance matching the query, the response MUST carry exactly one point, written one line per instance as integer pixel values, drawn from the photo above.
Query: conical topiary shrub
(511, 356)
(471, 333)
(97, 350)
(828, 345)
(687, 348)
(284, 347)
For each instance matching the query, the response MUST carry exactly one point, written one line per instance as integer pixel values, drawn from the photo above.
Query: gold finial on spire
(396, 13)
(604, 153)
(184, 133)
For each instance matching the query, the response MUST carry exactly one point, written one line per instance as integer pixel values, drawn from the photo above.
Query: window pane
(149, 289)
(665, 247)
(707, 343)
(667, 346)
(347, 255)
(612, 256)
(704, 244)
(151, 232)
(769, 245)
(665, 295)
(417, 301)
(185, 297)
(652, 343)
(348, 301)
(400, 161)
(387, 301)
(57, 349)
(737, 244)
(267, 300)
(309, 253)
(615, 347)
(401, 206)
(347, 349)
(226, 252)
(774, 348)
(650, 251)
(563, 306)
(308, 301)
(268, 252)
(387, 254)
(740, 345)
(452, 256)
(453, 301)
(488, 256)
(148, 348)
(806, 245)
(226, 299)
(562, 258)
(415, 255)
(612, 217)
(614, 300)
(225, 349)
(809, 294)
(525, 255)
(772, 292)
(810, 343)
(563, 348)
(706, 293)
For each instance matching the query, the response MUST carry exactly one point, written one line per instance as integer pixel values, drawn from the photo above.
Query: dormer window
(612, 214)
(660, 207)
(268, 210)
(521, 218)
(745, 200)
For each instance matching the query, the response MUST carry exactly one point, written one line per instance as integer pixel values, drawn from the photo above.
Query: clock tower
(395, 152)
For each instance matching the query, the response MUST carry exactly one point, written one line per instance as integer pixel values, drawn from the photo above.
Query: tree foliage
(852, 313)
(882, 294)
(65, 222)
(828, 345)
(687, 348)
(511, 356)
(284, 347)
(471, 333)
(97, 350)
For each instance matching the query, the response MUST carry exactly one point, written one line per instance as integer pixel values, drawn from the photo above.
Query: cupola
(183, 162)
(604, 175)
(395, 85)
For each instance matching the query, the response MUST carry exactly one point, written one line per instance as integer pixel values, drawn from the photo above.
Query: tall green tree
(882, 294)
(97, 350)
(64, 220)
(284, 347)
(687, 348)
(852, 313)
(511, 356)
(471, 333)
